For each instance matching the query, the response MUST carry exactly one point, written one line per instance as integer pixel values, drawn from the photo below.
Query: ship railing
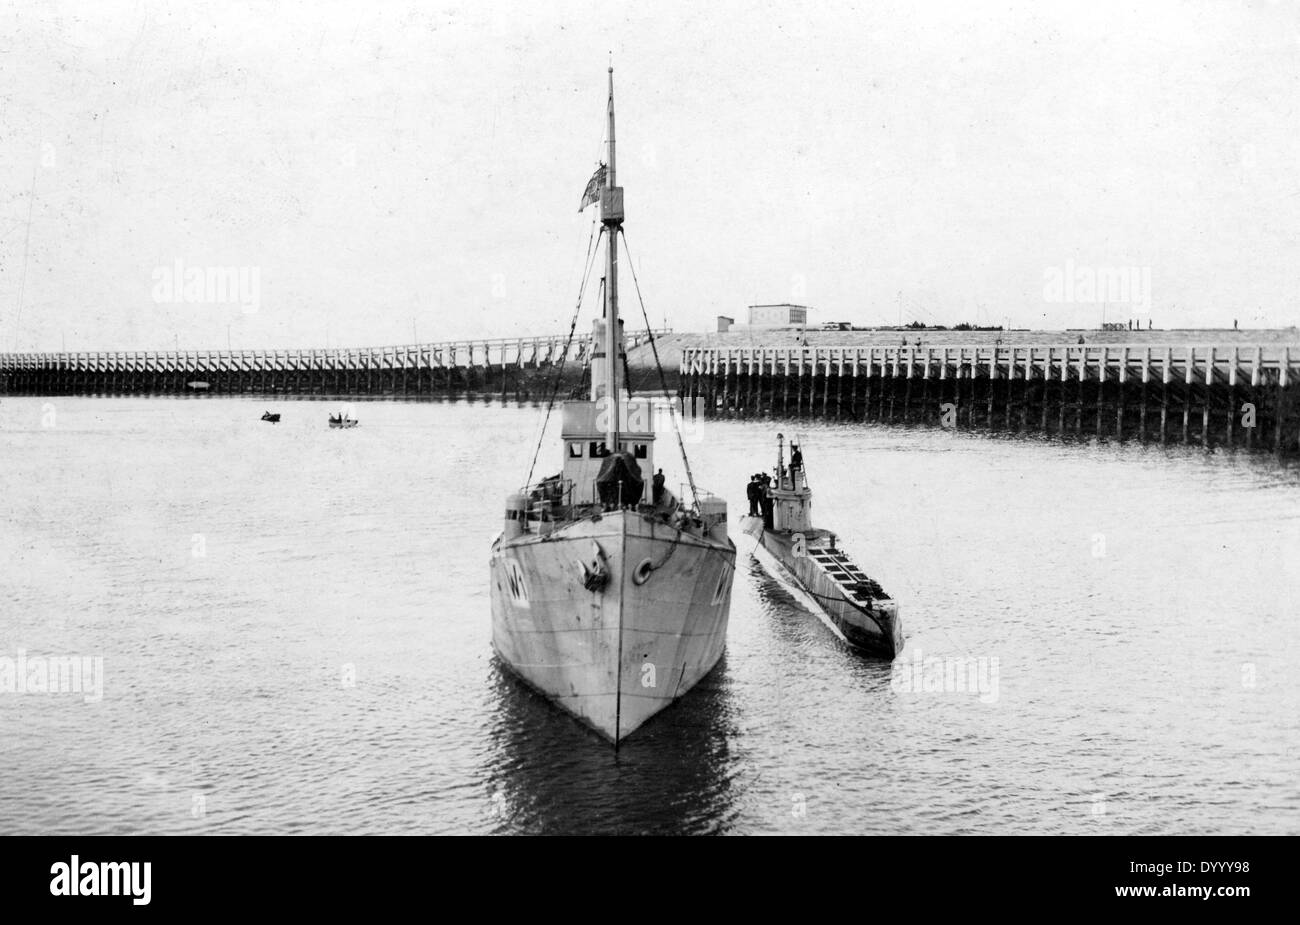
(703, 493)
(790, 479)
(553, 503)
(558, 501)
(548, 498)
(712, 507)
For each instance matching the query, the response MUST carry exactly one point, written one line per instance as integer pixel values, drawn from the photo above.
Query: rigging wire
(584, 381)
(600, 148)
(627, 377)
(593, 245)
(663, 382)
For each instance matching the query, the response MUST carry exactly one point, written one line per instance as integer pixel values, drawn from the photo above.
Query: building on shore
(779, 317)
(783, 315)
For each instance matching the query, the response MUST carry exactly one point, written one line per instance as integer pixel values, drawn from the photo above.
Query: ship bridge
(583, 432)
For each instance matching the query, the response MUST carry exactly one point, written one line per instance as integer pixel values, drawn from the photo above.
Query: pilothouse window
(575, 451)
(598, 450)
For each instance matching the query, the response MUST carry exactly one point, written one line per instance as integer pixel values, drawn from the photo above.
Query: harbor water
(294, 630)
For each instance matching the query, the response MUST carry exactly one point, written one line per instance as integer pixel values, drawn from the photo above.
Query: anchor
(594, 573)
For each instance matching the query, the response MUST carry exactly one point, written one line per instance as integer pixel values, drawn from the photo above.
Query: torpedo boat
(610, 595)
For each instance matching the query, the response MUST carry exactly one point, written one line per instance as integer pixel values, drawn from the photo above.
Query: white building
(783, 315)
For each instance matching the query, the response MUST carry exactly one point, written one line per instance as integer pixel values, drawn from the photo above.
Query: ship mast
(611, 216)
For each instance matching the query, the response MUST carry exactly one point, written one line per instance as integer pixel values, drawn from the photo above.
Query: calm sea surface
(295, 634)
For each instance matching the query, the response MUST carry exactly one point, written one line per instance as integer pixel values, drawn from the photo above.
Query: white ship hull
(615, 656)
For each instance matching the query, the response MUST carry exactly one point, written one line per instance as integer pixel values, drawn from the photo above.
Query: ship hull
(875, 631)
(614, 655)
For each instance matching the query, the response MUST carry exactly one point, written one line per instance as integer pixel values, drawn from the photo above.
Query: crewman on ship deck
(753, 491)
(765, 502)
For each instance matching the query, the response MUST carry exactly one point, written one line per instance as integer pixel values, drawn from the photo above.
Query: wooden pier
(1196, 392)
(498, 365)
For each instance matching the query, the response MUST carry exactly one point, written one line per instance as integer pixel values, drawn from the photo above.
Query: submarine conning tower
(790, 494)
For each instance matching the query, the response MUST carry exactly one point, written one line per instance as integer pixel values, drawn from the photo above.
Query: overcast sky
(393, 169)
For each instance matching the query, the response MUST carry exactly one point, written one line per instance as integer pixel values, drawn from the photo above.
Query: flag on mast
(592, 193)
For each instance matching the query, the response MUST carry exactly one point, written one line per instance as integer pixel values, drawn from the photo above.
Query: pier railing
(1206, 393)
(1187, 363)
(519, 352)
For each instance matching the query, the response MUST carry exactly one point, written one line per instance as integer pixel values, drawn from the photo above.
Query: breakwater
(515, 367)
(1208, 393)
(1208, 387)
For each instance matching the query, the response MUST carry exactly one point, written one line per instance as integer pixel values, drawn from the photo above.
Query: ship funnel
(599, 373)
